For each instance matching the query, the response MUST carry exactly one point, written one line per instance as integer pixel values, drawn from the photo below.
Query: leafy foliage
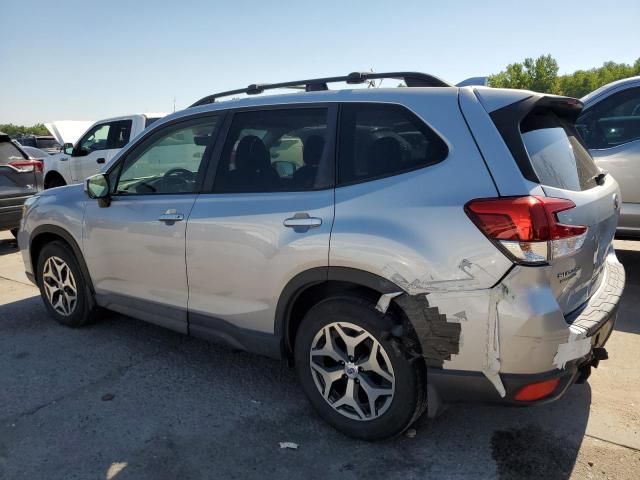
(16, 130)
(541, 75)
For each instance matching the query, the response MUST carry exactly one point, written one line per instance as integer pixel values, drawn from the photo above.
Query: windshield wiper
(599, 178)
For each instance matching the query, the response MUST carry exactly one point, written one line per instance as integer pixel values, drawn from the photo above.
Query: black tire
(85, 309)
(409, 397)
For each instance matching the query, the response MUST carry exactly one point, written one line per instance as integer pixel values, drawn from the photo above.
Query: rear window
(9, 153)
(379, 140)
(47, 143)
(558, 156)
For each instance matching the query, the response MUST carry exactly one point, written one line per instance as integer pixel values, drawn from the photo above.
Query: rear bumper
(460, 386)
(589, 329)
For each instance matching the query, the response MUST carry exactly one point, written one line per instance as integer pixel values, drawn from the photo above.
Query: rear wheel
(63, 288)
(359, 379)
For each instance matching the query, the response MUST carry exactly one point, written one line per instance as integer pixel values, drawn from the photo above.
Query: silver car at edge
(610, 126)
(403, 247)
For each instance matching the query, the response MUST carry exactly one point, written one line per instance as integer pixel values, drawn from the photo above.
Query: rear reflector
(527, 228)
(537, 391)
(27, 165)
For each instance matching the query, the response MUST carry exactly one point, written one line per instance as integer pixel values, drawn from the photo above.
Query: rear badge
(568, 274)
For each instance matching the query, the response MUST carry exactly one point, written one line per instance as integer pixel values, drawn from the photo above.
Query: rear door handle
(301, 222)
(100, 160)
(171, 216)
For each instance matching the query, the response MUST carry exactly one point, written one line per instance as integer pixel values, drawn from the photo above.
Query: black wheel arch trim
(68, 238)
(315, 276)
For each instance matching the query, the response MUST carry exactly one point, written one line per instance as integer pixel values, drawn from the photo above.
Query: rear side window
(558, 155)
(9, 153)
(378, 140)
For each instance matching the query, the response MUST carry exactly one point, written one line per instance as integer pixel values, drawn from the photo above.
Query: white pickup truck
(94, 148)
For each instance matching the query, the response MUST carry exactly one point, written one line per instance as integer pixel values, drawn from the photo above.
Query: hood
(68, 131)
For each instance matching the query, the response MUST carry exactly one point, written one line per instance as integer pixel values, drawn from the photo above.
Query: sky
(79, 60)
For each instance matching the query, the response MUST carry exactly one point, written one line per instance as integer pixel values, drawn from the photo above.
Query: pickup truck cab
(94, 149)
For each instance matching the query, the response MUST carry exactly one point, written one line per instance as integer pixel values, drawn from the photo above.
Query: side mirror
(67, 148)
(97, 186)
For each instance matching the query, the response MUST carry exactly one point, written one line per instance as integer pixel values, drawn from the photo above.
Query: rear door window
(279, 150)
(378, 140)
(558, 155)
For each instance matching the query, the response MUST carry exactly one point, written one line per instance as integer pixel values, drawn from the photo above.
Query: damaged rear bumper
(450, 386)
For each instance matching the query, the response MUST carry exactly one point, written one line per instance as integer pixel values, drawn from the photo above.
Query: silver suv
(402, 247)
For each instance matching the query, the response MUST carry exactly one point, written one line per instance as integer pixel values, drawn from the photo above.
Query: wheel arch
(53, 174)
(49, 233)
(307, 288)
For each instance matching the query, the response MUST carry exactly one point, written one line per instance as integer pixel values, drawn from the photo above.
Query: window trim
(331, 145)
(152, 135)
(412, 116)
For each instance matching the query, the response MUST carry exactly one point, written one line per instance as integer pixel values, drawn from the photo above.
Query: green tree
(15, 130)
(539, 75)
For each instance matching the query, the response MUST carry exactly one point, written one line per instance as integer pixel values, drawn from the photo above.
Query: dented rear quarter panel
(412, 229)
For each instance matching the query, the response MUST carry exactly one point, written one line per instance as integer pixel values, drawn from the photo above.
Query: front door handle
(301, 222)
(100, 160)
(171, 216)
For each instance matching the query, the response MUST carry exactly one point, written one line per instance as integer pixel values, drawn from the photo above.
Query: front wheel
(63, 288)
(359, 379)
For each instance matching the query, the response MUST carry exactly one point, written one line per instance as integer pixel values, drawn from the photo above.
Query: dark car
(43, 142)
(20, 177)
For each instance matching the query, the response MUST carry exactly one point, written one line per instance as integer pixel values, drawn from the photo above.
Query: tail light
(527, 228)
(27, 165)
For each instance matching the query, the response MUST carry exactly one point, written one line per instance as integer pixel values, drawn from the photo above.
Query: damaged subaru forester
(403, 248)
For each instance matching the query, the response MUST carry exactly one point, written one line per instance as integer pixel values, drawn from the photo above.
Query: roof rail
(411, 79)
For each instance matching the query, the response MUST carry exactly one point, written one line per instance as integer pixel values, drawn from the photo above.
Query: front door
(267, 218)
(135, 247)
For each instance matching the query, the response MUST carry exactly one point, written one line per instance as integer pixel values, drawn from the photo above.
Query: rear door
(550, 152)
(267, 217)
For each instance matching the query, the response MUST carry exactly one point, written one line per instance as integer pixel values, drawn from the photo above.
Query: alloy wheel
(59, 286)
(352, 371)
